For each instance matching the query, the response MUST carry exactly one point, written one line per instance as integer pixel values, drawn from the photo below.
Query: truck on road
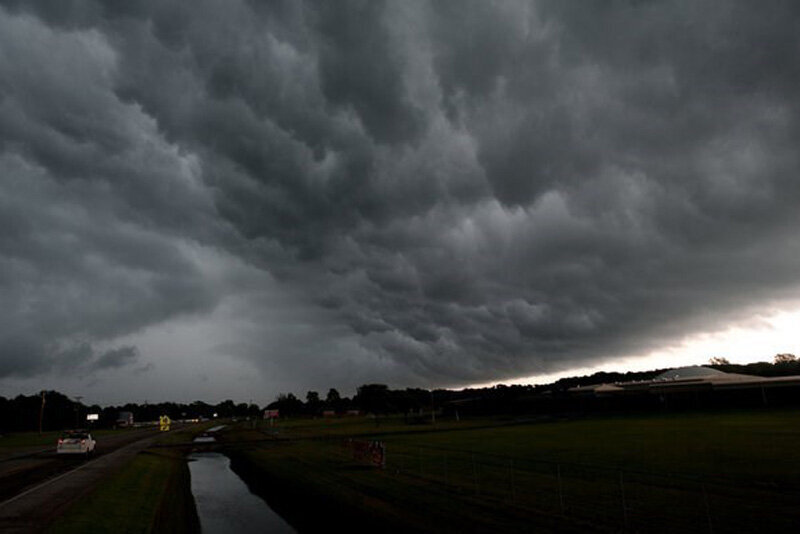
(124, 420)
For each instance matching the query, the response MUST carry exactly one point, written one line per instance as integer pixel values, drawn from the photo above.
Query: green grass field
(691, 472)
(752, 445)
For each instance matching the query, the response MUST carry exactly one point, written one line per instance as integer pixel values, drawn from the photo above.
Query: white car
(76, 442)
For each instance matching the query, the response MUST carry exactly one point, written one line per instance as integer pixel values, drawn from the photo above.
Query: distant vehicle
(76, 442)
(124, 419)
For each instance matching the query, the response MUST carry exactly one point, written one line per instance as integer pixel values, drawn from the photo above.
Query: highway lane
(30, 468)
(35, 507)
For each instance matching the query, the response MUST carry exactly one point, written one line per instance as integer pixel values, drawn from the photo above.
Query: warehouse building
(697, 386)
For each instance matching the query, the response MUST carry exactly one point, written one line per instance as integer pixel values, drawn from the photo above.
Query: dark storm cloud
(91, 199)
(117, 358)
(474, 190)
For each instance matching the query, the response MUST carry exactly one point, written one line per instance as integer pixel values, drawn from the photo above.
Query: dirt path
(36, 507)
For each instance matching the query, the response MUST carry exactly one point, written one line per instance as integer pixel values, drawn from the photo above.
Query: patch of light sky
(775, 334)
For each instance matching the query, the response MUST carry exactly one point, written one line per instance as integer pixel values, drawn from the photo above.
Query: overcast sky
(215, 199)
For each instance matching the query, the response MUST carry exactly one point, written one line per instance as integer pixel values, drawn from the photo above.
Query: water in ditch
(224, 503)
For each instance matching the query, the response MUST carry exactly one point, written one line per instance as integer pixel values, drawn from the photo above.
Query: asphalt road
(38, 488)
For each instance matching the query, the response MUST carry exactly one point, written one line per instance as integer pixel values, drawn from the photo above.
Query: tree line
(52, 410)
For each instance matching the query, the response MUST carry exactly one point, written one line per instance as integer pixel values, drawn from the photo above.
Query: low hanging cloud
(116, 358)
(450, 191)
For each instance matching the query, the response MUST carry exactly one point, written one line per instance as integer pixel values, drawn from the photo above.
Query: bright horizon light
(775, 334)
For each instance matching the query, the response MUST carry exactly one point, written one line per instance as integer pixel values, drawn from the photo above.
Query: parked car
(76, 442)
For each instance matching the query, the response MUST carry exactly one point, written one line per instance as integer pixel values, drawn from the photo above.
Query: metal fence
(630, 500)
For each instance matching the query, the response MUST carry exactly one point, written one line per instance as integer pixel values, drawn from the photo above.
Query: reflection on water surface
(224, 503)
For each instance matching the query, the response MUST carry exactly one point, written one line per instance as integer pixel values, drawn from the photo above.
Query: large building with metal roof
(700, 383)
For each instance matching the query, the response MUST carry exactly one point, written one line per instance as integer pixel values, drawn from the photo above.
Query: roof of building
(691, 377)
(694, 371)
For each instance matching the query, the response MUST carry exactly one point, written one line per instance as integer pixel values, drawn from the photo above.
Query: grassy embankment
(693, 472)
(150, 494)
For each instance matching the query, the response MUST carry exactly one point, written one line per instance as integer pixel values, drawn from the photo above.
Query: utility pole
(78, 410)
(41, 413)
(433, 410)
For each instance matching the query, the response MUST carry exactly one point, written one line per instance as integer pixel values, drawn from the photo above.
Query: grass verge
(150, 494)
(146, 496)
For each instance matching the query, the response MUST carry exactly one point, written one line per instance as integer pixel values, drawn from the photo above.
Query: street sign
(163, 423)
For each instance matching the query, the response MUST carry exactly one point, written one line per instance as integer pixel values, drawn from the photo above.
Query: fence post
(419, 453)
(446, 480)
(624, 504)
(511, 472)
(708, 510)
(560, 489)
(475, 475)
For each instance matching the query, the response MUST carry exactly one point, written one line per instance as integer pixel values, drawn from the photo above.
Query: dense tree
(373, 398)
(313, 404)
(287, 404)
(226, 408)
(718, 360)
(333, 396)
